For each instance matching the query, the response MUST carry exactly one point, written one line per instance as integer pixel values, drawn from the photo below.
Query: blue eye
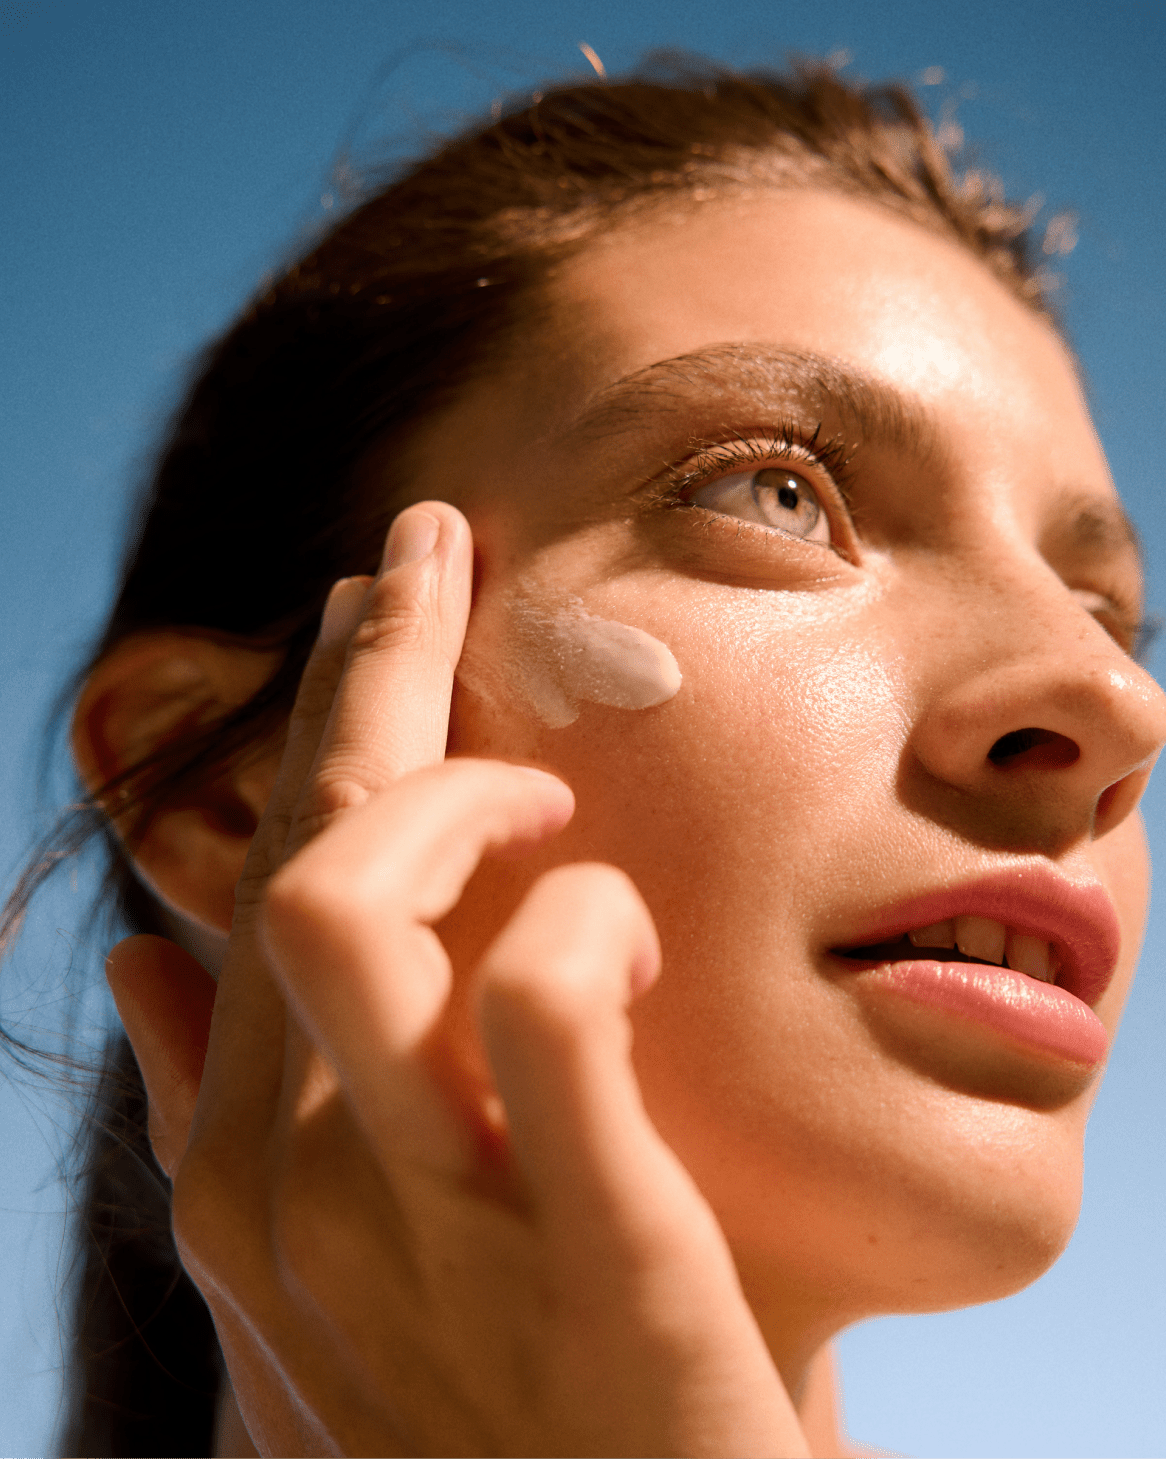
(773, 497)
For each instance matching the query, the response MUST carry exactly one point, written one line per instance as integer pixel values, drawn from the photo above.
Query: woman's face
(832, 772)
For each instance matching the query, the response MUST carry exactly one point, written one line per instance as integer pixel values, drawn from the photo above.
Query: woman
(687, 906)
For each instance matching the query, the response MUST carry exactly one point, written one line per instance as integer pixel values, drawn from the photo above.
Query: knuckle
(392, 623)
(261, 864)
(311, 905)
(250, 890)
(334, 790)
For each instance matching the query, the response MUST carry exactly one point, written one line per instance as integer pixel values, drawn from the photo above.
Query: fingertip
(646, 963)
(454, 525)
(631, 921)
(582, 938)
(412, 537)
(535, 772)
(141, 955)
(555, 808)
(422, 529)
(342, 610)
(554, 786)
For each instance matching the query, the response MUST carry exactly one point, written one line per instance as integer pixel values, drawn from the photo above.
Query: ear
(150, 689)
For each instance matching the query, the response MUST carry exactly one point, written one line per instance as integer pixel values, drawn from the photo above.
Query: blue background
(158, 157)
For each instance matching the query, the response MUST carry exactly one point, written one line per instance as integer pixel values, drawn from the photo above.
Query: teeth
(939, 934)
(981, 937)
(1030, 955)
(991, 942)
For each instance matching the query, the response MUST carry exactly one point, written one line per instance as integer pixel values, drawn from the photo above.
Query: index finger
(390, 713)
(384, 713)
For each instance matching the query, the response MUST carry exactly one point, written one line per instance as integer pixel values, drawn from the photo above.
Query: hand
(406, 1252)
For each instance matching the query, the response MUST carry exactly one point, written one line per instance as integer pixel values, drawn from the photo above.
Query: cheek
(742, 808)
(759, 773)
(749, 809)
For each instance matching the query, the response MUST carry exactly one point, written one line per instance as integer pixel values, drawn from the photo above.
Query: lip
(1040, 1017)
(1078, 917)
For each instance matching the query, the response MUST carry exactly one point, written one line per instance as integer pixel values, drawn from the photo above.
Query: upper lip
(1078, 918)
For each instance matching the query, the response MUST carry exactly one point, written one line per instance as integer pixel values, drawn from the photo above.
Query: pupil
(788, 497)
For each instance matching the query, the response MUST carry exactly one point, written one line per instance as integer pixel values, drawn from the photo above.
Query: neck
(819, 1407)
(799, 1336)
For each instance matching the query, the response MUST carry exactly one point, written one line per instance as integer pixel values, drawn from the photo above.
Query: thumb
(165, 999)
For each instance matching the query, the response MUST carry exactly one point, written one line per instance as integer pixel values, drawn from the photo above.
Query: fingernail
(342, 610)
(411, 537)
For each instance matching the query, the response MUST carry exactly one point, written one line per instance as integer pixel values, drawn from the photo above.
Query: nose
(1035, 728)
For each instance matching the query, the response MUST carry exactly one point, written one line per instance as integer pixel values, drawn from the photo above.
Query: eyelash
(785, 443)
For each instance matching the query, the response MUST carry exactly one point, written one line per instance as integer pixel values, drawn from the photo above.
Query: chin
(972, 1238)
(936, 1200)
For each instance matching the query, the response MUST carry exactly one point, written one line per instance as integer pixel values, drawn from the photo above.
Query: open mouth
(966, 940)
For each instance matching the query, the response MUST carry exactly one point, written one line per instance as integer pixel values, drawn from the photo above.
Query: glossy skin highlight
(827, 755)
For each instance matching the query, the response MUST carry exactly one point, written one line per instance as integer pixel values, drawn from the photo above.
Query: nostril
(1034, 749)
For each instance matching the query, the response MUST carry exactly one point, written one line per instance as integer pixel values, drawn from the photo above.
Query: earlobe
(150, 691)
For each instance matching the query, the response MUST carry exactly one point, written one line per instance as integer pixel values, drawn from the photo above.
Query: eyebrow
(1093, 528)
(864, 407)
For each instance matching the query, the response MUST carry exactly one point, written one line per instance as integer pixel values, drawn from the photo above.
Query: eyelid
(1133, 632)
(825, 463)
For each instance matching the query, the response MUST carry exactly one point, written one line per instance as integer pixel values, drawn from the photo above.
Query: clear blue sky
(159, 156)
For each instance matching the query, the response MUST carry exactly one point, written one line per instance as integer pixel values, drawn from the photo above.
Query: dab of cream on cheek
(559, 659)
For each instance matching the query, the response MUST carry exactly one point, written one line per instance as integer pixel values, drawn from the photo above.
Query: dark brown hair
(259, 503)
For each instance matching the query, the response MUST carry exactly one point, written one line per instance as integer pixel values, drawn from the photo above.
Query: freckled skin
(826, 754)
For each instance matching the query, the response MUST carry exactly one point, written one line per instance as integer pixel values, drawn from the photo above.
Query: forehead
(746, 313)
(819, 274)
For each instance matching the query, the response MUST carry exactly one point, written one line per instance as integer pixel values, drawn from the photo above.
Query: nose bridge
(1039, 641)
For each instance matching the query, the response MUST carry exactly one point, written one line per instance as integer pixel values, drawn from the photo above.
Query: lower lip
(1039, 1015)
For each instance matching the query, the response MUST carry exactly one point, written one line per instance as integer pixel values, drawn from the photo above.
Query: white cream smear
(556, 659)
